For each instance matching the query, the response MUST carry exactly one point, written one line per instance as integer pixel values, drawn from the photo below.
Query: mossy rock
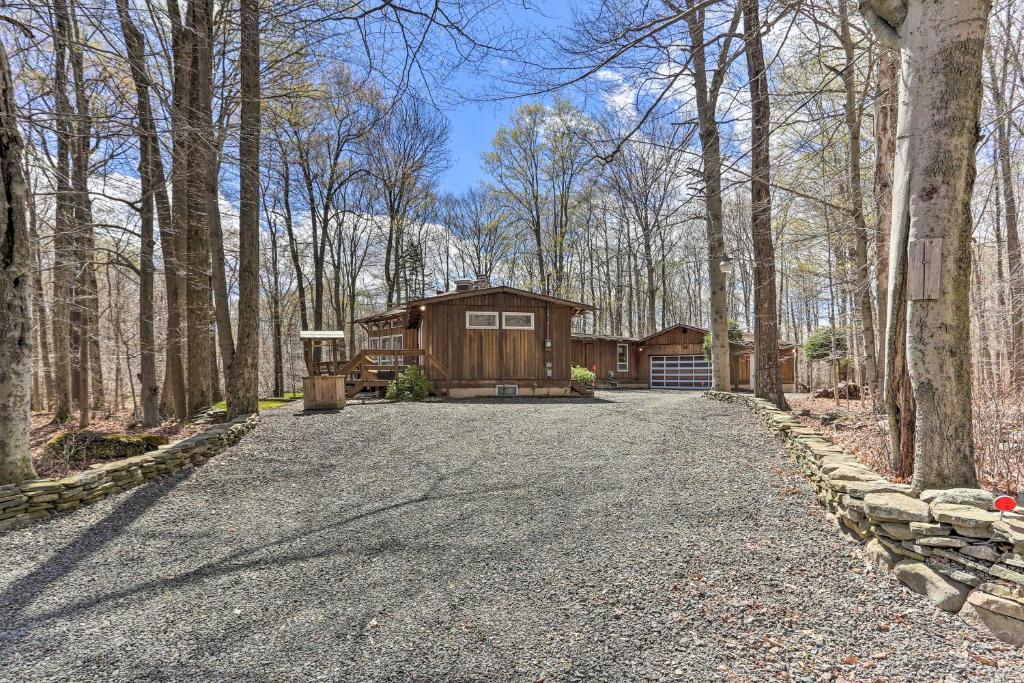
(84, 446)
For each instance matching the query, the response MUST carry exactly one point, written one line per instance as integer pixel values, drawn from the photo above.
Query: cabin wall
(787, 369)
(389, 330)
(482, 358)
(601, 356)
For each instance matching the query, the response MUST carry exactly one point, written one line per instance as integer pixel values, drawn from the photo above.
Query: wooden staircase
(375, 368)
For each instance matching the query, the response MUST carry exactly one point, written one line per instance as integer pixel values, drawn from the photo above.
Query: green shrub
(735, 336)
(410, 385)
(84, 446)
(583, 375)
(819, 344)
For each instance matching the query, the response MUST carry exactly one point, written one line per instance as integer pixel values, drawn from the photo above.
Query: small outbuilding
(323, 387)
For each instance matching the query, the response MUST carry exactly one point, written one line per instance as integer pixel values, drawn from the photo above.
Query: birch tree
(941, 45)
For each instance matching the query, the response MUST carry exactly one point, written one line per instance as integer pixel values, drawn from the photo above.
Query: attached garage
(680, 372)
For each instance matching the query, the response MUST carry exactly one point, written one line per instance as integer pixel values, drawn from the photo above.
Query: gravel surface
(635, 536)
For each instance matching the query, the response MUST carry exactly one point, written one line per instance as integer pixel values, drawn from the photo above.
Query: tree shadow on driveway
(62, 562)
(25, 591)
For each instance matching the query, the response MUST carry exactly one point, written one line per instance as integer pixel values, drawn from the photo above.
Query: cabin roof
(450, 296)
(409, 306)
(383, 315)
(672, 327)
(583, 336)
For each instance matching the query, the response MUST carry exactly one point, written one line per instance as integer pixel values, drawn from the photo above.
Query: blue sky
(473, 124)
(473, 127)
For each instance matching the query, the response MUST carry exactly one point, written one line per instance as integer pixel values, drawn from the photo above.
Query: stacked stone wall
(37, 499)
(950, 546)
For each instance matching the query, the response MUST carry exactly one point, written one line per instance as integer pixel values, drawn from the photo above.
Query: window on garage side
(517, 321)
(622, 357)
(481, 320)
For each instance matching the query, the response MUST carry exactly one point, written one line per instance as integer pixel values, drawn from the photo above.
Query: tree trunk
(711, 158)
(15, 295)
(174, 227)
(1013, 247)
(200, 148)
(886, 99)
(63, 229)
(147, 149)
(862, 274)
(242, 368)
(768, 384)
(940, 99)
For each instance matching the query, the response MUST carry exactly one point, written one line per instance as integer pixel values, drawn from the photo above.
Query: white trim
(505, 324)
(482, 327)
(321, 334)
(621, 367)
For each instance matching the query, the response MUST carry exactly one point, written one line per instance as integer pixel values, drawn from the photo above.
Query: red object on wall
(1005, 503)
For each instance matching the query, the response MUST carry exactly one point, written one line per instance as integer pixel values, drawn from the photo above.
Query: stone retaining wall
(39, 498)
(950, 546)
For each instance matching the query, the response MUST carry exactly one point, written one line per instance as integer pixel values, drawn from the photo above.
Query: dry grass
(43, 429)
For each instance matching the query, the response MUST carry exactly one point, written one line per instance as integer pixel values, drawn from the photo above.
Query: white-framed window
(622, 357)
(397, 342)
(373, 343)
(512, 320)
(481, 320)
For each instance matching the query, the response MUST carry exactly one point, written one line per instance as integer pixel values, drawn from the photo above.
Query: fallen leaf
(851, 659)
(982, 659)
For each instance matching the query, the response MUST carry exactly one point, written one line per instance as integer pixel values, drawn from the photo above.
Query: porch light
(727, 265)
(423, 308)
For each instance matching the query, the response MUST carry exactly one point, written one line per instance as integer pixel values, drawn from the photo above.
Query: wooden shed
(475, 341)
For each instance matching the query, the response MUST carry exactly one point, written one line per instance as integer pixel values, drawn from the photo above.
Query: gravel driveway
(634, 536)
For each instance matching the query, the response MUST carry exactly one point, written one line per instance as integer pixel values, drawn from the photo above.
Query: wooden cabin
(474, 341)
(672, 358)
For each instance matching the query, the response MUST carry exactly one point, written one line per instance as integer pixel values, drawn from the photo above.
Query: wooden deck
(375, 368)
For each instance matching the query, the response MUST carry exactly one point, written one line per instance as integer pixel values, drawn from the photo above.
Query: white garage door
(680, 372)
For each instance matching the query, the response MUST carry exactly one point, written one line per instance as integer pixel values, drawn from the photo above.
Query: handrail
(436, 362)
(361, 359)
(347, 368)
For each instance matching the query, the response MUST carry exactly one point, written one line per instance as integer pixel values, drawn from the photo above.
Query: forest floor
(123, 422)
(852, 424)
(636, 535)
(856, 429)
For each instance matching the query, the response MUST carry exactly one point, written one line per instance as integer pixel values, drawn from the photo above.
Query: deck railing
(377, 367)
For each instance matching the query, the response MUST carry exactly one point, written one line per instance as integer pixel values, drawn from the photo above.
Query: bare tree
(15, 294)
(768, 383)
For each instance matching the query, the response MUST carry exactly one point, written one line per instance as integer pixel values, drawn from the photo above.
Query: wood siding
(787, 367)
(675, 341)
(499, 356)
(602, 354)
